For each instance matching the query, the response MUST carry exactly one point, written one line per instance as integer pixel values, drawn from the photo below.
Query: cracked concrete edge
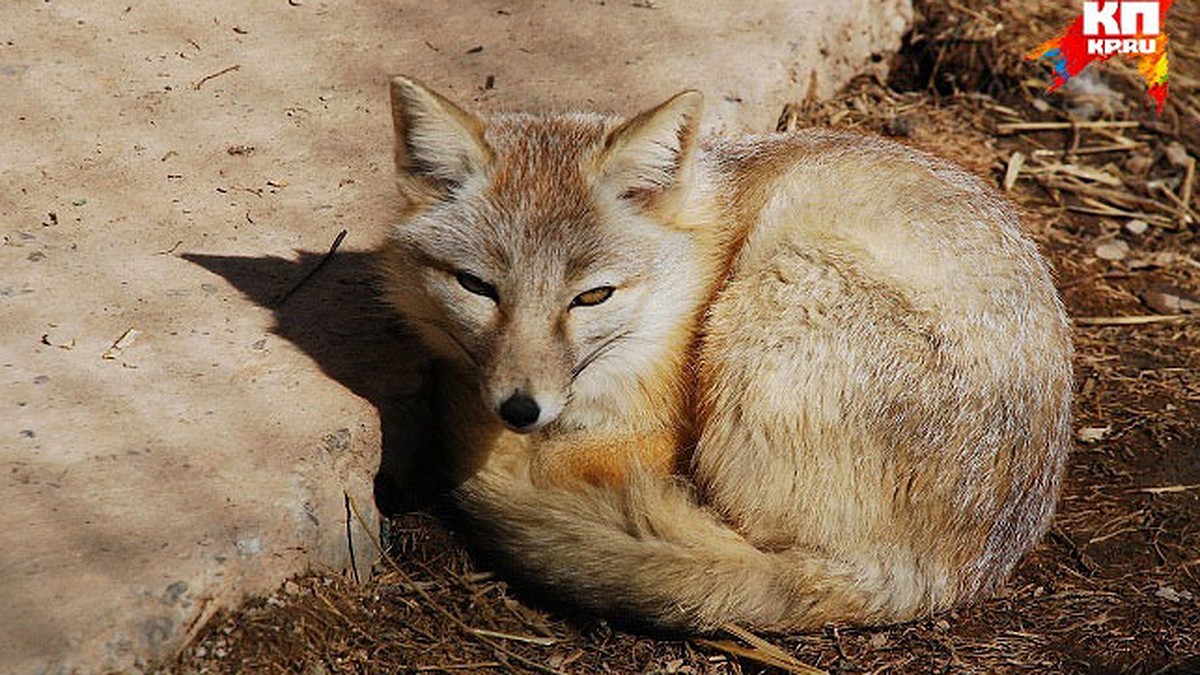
(146, 490)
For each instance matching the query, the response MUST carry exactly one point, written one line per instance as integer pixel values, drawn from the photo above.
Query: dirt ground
(1115, 586)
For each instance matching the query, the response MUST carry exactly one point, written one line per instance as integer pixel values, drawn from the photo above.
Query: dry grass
(1113, 589)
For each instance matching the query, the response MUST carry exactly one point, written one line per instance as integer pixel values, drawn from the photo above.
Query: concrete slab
(175, 436)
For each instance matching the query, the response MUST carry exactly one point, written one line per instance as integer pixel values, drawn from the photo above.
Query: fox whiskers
(598, 352)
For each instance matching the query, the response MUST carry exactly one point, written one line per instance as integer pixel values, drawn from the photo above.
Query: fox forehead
(534, 206)
(544, 159)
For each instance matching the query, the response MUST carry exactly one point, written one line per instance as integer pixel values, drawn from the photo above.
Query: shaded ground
(1113, 589)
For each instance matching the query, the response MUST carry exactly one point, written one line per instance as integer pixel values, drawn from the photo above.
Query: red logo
(1132, 29)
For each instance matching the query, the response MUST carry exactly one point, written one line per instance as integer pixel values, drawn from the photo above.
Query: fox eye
(476, 285)
(593, 297)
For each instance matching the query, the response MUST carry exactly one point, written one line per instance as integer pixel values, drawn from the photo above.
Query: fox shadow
(330, 308)
(337, 317)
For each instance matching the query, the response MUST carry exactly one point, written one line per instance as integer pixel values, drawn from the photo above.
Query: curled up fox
(776, 381)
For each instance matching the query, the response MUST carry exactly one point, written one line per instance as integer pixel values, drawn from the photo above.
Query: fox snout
(523, 412)
(525, 370)
(520, 411)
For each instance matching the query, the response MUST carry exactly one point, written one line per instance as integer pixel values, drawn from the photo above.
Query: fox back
(885, 374)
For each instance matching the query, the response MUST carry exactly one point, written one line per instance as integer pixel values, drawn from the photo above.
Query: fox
(684, 381)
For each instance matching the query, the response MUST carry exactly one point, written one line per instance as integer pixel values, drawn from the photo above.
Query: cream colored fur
(832, 383)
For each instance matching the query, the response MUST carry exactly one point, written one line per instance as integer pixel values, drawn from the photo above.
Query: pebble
(1177, 155)
(1170, 303)
(1137, 227)
(1114, 249)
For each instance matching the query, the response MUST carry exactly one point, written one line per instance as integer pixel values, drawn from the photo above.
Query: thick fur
(832, 383)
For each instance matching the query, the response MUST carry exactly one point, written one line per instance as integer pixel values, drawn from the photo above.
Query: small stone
(1165, 302)
(1156, 259)
(1164, 258)
(1168, 593)
(1137, 227)
(1114, 249)
(1177, 155)
(1092, 434)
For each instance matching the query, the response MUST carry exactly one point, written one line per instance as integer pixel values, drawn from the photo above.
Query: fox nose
(519, 411)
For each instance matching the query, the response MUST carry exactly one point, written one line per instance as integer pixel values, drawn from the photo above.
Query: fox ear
(438, 144)
(648, 159)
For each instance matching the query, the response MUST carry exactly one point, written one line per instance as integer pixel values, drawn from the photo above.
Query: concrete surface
(175, 436)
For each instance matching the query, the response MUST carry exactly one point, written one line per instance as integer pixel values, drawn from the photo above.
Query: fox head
(555, 256)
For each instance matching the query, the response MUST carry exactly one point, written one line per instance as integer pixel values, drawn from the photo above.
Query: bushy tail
(648, 554)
